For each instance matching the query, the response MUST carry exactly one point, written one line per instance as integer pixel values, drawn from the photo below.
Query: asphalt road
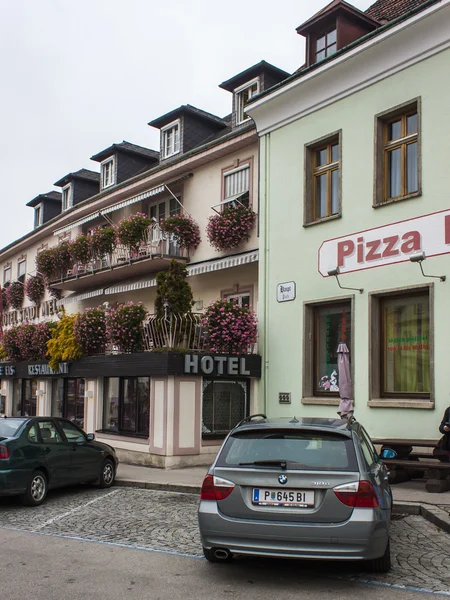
(41, 567)
(109, 543)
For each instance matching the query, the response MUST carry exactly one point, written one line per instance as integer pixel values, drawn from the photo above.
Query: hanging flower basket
(34, 289)
(230, 328)
(102, 242)
(45, 263)
(80, 250)
(11, 344)
(15, 295)
(184, 230)
(124, 326)
(27, 341)
(62, 259)
(90, 330)
(4, 298)
(131, 230)
(231, 228)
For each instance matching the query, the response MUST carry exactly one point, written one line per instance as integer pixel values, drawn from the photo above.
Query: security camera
(419, 257)
(334, 272)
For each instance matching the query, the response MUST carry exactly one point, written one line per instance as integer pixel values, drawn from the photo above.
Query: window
(323, 179)
(7, 275)
(398, 154)
(170, 142)
(108, 174)
(24, 404)
(38, 215)
(127, 405)
(72, 433)
(21, 269)
(326, 45)
(49, 433)
(225, 403)
(164, 209)
(405, 346)
(243, 94)
(237, 186)
(33, 434)
(241, 295)
(68, 400)
(67, 197)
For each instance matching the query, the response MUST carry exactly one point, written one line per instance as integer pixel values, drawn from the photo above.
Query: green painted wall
(289, 251)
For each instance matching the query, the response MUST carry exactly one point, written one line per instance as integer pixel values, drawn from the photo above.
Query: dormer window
(243, 95)
(67, 200)
(170, 142)
(108, 173)
(326, 45)
(38, 215)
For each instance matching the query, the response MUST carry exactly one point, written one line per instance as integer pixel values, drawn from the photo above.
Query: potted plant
(231, 228)
(62, 259)
(80, 250)
(230, 328)
(32, 340)
(15, 294)
(11, 344)
(102, 242)
(131, 230)
(90, 330)
(34, 288)
(124, 326)
(45, 263)
(184, 230)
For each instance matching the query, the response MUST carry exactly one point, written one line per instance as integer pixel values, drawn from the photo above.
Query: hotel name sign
(30, 313)
(387, 245)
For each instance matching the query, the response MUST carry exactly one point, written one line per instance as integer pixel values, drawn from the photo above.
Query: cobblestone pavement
(167, 522)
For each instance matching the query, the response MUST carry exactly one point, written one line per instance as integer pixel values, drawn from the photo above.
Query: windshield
(289, 449)
(8, 427)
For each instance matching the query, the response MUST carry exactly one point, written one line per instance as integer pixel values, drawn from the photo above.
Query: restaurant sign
(387, 245)
(45, 369)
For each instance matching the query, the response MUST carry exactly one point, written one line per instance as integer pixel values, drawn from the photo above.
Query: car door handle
(47, 449)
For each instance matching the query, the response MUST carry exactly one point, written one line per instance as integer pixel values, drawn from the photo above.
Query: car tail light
(359, 494)
(4, 452)
(216, 488)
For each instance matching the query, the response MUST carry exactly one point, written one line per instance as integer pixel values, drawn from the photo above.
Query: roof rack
(250, 418)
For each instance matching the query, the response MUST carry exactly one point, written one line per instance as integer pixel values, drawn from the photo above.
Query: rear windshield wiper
(265, 463)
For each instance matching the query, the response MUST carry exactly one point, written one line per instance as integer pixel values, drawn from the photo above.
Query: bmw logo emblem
(282, 479)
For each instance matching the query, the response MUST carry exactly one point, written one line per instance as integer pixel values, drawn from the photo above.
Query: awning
(79, 297)
(113, 207)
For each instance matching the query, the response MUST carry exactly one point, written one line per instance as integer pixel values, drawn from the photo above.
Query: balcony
(151, 257)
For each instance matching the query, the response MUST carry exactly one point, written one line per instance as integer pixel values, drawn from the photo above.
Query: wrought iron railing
(184, 332)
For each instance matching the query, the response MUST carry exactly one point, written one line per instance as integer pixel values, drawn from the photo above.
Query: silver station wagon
(298, 488)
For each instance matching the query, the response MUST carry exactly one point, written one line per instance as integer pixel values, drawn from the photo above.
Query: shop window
(327, 324)
(323, 179)
(404, 346)
(68, 400)
(24, 403)
(398, 154)
(2, 400)
(225, 403)
(126, 407)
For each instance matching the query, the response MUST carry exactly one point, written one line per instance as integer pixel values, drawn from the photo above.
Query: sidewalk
(409, 497)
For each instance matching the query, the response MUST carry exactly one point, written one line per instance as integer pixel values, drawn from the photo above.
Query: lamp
(3, 393)
(419, 258)
(39, 392)
(334, 273)
(198, 305)
(88, 394)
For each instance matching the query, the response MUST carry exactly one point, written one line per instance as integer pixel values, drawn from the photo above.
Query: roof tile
(387, 10)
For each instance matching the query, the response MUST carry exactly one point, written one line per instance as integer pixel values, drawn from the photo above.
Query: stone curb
(184, 488)
(430, 512)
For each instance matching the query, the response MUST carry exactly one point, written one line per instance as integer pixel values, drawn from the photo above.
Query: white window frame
(40, 208)
(240, 105)
(67, 197)
(112, 174)
(167, 201)
(5, 270)
(165, 150)
(21, 261)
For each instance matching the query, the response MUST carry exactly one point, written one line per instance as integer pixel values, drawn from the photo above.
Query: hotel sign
(391, 244)
(220, 365)
(30, 313)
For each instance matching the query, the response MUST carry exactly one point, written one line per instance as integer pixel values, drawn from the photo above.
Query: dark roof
(81, 174)
(190, 110)
(386, 10)
(126, 147)
(231, 84)
(52, 196)
(332, 8)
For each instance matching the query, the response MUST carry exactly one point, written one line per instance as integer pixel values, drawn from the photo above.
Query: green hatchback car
(41, 453)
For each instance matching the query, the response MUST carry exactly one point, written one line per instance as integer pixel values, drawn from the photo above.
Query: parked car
(298, 488)
(41, 453)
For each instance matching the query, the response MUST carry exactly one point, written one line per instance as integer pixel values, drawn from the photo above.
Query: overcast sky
(79, 75)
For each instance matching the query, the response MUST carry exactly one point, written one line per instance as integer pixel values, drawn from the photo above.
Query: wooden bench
(409, 464)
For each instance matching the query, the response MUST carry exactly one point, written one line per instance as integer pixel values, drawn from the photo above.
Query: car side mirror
(91, 437)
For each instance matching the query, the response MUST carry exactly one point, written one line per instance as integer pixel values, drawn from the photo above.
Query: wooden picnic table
(409, 464)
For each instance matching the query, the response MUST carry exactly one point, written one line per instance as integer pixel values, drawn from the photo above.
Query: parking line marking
(74, 510)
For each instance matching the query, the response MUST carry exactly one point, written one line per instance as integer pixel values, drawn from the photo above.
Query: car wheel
(107, 474)
(211, 556)
(36, 490)
(382, 564)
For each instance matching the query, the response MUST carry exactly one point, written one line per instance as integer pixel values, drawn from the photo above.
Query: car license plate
(271, 497)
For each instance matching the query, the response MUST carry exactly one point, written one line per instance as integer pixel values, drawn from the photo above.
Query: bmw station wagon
(298, 488)
(40, 453)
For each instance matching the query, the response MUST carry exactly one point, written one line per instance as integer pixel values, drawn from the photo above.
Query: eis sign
(387, 245)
